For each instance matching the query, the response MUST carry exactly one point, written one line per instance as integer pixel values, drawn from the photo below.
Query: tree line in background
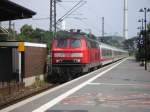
(136, 46)
(28, 34)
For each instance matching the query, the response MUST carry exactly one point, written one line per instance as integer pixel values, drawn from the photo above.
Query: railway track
(12, 99)
(27, 94)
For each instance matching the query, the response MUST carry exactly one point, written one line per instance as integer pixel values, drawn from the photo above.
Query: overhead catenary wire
(66, 9)
(107, 25)
(85, 23)
(81, 19)
(70, 1)
(73, 9)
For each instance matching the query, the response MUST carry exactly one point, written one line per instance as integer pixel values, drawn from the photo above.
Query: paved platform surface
(121, 87)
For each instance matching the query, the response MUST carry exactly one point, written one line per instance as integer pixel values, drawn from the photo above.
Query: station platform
(123, 86)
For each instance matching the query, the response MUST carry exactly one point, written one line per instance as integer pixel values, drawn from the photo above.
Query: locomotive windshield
(75, 43)
(63, 43)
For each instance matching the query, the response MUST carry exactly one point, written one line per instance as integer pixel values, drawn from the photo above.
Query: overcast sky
(92, 11)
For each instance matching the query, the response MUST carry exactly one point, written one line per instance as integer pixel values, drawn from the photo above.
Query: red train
(77, 54)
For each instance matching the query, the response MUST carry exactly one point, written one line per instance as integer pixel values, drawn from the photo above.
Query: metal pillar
(141, 41)
(53, 16)
(145, 39)
(20, 77)
(102, 26)
(145, 10)
(125, 23)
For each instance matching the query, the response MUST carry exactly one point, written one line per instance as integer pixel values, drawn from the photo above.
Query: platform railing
(4, 31)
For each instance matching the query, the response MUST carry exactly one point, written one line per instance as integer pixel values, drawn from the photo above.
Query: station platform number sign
(21, 47)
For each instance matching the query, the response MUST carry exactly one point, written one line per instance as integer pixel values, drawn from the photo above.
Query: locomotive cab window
(75, 43)
(62, 43)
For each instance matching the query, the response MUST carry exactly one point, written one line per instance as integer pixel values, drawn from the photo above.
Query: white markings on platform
(73, 90)
(111, 84)
(19, 104)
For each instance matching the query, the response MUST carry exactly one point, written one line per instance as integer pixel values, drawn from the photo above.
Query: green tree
(130, 45)
(26, 33)
(37, 35)
(47, 38)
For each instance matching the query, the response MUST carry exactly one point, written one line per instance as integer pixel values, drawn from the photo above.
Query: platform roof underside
(13, 11)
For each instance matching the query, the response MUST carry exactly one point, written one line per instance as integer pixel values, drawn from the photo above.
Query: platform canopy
(12, 11)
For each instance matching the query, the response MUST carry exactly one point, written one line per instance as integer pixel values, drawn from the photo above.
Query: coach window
(104, 52)
(97, 45)
(75, 43)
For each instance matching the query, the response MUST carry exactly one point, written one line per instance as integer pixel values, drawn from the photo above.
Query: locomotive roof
(69, 36)
(63, 35)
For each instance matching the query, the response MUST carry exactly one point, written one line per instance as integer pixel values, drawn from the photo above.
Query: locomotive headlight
(77, 55)
(59, 55)
(77, 60)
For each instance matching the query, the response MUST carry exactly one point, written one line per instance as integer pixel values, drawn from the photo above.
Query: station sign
(141, 41)
(21, 47)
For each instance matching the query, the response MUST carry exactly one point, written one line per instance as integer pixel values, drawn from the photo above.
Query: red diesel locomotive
(78, 54)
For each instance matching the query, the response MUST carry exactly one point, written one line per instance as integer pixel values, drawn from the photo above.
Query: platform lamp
(145, 10)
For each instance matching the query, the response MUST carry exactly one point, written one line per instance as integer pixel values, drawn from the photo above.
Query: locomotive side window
(88, 44)
(93, 44)
(75, 43)
(62, 43)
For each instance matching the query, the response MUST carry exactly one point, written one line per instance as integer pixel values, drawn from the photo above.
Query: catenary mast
(125, 20)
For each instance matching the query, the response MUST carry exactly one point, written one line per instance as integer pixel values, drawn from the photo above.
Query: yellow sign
(21, 47)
